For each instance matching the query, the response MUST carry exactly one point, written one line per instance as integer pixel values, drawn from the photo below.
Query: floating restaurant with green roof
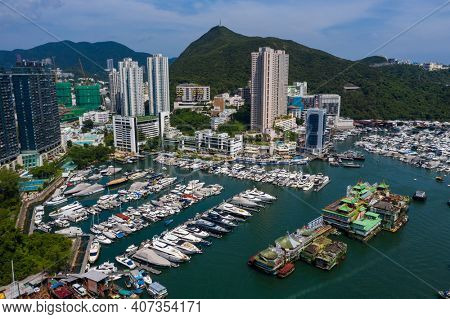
(366, 210)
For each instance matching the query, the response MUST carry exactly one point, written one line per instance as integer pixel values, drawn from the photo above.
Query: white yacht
(195, 231)
(233, 210)
(264, 196)
(58, 200)
(183, 246)
(146, 277)
(94, 252)
(125, 261)
(102, 239)
(184, 234)
(166, 251)
(107, 268)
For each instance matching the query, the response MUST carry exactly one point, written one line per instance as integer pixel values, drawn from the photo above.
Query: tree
(69, 144)
(108, 139)
(47, 170)
(87, 126)
(152, 144)
(232, 128)
(86, 155)
(188, 121)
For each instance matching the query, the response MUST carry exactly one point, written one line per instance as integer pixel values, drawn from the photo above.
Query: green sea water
(412, 263)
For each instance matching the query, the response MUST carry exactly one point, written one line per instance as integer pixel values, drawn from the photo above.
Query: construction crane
(82, 71)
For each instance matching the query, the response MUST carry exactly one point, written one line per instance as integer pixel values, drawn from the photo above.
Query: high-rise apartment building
(114, 91)
(269, 80)
(158, 84)
(131, 88)
(9, 144)
(36, 107)
(109, 64)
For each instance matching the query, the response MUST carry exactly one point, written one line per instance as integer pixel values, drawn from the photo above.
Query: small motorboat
(444, 294)
(125, 261)
(167, 222)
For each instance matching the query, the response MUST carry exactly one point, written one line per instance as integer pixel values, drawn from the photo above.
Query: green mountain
(221, 58)
(93, 56)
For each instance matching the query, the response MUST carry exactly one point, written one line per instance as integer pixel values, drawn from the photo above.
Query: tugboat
(420, 195)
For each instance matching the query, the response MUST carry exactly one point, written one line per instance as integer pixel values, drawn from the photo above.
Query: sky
(351, 29)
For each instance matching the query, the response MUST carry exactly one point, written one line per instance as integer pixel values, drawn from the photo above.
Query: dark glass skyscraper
(315, 129)
(9, 145)
(36, 107)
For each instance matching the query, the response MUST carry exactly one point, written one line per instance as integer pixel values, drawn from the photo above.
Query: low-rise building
(285, 149)
(209, 141)
(344, 124)
(98, 117)
(190, 92)
(223, 117)
(187, 105)
(286, 123)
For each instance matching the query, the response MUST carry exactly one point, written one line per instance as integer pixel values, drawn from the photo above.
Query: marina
(292, 207)
(277, 176)
(426, 147)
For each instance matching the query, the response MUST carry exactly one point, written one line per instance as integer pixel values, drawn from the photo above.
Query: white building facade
(269, 80)
(114, 90)
(125, 134)
(158, 84)
(207, 140)
(131, 77)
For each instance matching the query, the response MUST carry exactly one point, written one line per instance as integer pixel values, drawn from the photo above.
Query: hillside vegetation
(31, 254)
(221, 59)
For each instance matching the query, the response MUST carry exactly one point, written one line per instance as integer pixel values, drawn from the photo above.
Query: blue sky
(350, 29)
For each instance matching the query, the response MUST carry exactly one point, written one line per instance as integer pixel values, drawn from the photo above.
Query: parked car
(79, 289)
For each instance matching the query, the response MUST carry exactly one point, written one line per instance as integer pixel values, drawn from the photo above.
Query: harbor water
(412, 263)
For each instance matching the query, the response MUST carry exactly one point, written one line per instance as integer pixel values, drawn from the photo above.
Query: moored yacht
(233, 210)
(94, 252)
(183, 246)
(125, 261)
(58, 200)
(168, 252)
